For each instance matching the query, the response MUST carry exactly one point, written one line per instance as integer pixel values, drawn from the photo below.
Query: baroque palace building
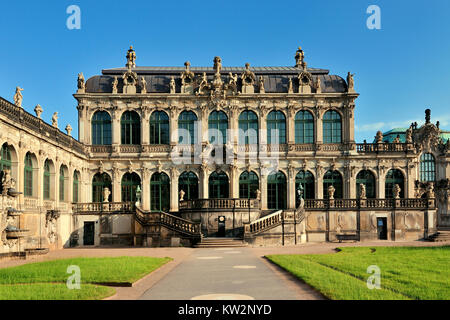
(172, 155)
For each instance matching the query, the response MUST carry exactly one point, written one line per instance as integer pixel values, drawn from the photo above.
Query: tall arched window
(427, 168)
(101, 128)
(304, 127)
(99, 182)
(306, 180)
(393, 177)
(159, 128)
(217, 125)
(188, 182)
(62, 181)
(276, 191)
(218, 185)
(76, 187)
(332, 178)
(276, 128)
(47, 180)
(5, 161)
(187, 127)
(248, 128)
(367, 178)
(248, 185)
(160, 192)
(332, 127)
(28, 176)
(131, 128)
(130, 182)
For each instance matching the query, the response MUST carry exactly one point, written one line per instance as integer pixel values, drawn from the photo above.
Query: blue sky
(400, 70)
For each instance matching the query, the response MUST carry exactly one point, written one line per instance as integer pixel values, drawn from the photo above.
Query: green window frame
(306, 180)
(5, 160)
(62, 178)
(28, 176)
(131, 128)
(188, 182)
(187, 123)
(159, 128)
(332, 127)
(219, 185)
(248, 185)
(47, 180)
(393, 177)
(75, 188)
(218, 126)
(160, 192)
(101, 128)
(248, 128)
(129, 185)
(276, 127)
(277, 191)
(304, 127)
(427, 168)
(99, 182)
(367, 178)
(333, 178)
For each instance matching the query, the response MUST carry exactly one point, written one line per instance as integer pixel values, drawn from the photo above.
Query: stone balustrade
(383, 147)
(103, 207)
(219, 204)
(381, 204)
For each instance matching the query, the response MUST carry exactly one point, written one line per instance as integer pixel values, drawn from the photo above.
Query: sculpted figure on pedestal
(18, 97)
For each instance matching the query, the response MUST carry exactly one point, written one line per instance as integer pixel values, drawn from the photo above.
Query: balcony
(384, 147)
(219, 204)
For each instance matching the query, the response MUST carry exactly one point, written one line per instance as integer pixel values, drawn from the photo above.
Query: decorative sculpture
(38, 110)
(114, 85)
(106, 194)
(300, 58)
(203, 84)
(290, 86)
(172, 85)
(305, 82)
(258, 194)
(396, 139)
(248, 80)
(80, 83)
(350, 82)
(182, 193)
(143, 85)
(362, 191)
(131, 58)
(427, 116)
(318, 85)
(331, 191)
(261, 85)
(409, 138)
(187, 77)
(430, 190)
(217, 64)
(396, 191)
(379, 137)
(55, 120)
(18, 97)
(69, 130)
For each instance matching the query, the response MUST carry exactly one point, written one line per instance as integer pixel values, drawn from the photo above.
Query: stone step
(221, 243)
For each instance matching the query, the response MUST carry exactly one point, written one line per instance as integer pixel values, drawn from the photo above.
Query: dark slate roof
(276, 79)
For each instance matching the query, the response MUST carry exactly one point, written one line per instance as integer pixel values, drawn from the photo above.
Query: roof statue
(350, 82)
(114, 85)
(80, 83)
(300, 58)
(18, 97)
(131, 58)
(38, 110)
(55, 120)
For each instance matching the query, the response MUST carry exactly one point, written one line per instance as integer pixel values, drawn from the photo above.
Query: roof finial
(300, 59)
(131, 58)
(427, 116)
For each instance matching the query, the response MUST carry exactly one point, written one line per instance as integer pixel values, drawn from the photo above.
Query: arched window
(218, 185)
(131, 128)
(159, 128)
(276, 128)
(248, 185)
(28, 176)
(188, 182)
(160, 192)
(367, 178)
(332, 127)
(99, 182)
(130, 182)
(101, 128)
(5, 161)
(248, 128)
(187, 127)
(47, 180)
(306, 180)
(393, 177)
(304, 127)
(62, 181)
(332, 178)
(427, 168)
(217, 125)
(75, 188)
(276, 191)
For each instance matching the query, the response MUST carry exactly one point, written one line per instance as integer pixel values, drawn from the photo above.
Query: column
(318, 130)
(351, 124)
(115, 128)
(145, 188)
(291, 189)
(319, 185)
(145, 128)
(204, 184)
(116, 187)
(290, 125)
(381, 185)
(174, 199)
(263, 189)
(234, 182)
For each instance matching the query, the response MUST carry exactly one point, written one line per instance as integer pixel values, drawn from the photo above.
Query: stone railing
(303, 147)
(248, 148)
(30, 203)
(157, 148)
(381, 204)
(130, 148)
(101, 148)
(219, 204)
(49, 204)
(264, 223)
(277, 148)
(19, 115)
(103, 207)
(384, 147)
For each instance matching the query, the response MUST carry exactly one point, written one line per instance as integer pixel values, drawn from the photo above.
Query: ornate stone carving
(331, 190)
(69, 130)
(38, 110)
(290, 86)
(81, 84)
(172, 85)
(143, 85)
(55, 120)
(18, 97)
(131, 58)
(187, 79)
(261, 85)
(248, 80)
(51, 219)
(114, 85)
(362, 191)
(318, 85)
(305, 82)
(300, 58)
(130, 80)
(427, 137)
(396, 190)
(350, 83)
(106, 194)
(379, 137)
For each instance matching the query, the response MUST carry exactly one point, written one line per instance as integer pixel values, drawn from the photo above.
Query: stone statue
(69, 130)
(131, 58)
(217, 64)
(379, 137)
(248, 77)
(299, 58)
(427, 116)
(182, 193)
(114, 85)
(172, 85)
(18, 97)
(430, 190)
(318, 85)
(203, 83)
(55, 120)
(331, 191)
(232, 79)
(207, 151)
(261, 85)
(143, 85)
(396, 190)
(80, 82)
(362, 191)
(106, 194)
(258, 194)
(350, 82)
(38, 110)
(290, 86)
(6, 181)
(409, 138)
(397, 139)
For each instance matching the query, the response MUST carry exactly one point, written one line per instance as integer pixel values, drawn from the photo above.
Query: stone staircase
(443, 235)
(221, 243)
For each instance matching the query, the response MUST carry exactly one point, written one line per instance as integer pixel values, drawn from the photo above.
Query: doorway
(382, 228)
(89, 233)
(221, 227)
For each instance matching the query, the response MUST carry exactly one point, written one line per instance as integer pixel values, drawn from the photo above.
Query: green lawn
(47, 280)
(406, 272)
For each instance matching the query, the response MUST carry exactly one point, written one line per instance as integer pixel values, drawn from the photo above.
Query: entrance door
(382, 228)
(221, 229)
(89, 233)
